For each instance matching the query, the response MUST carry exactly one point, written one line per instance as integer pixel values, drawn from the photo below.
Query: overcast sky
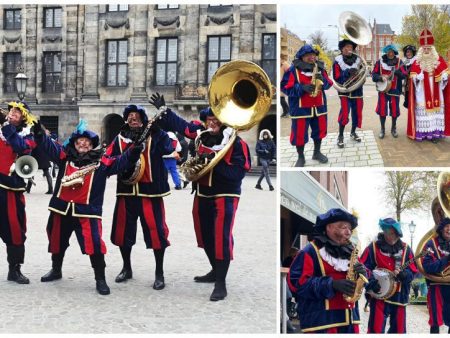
(304, 21)
(367, 200)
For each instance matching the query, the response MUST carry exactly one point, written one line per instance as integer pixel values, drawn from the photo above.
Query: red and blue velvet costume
(352, 101)
(79, 207)
(395, 306)
(143, 200)
(438, 297)
(321, 309)
(12, 201)
(305, 110)
(389, 102)
(217, 193)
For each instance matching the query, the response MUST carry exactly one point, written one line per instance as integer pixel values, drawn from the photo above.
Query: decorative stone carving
(52, 35)
(12, 36)
(116, 20)
(166, 22)
(219, 20)
(191, 91)
(268, 16)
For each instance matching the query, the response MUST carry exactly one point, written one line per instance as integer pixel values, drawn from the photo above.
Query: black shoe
(258, 186)
(185, 184)
(354, 136)
(435, 140)
(382, 133)
(49, 192)
(178, 187)
(210, 277)
(159, 283)
(320, 157)
(102, 287)
(124, 275)
(301, 161)
(340, 142)
(271, 188)
(15, 275)
(219, 292)
(394, 132)
(51, 276)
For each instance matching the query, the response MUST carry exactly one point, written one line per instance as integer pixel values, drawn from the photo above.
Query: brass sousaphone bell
(440, 209)
(240, 95)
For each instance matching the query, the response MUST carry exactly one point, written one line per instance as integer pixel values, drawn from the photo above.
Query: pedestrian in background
(266, 150)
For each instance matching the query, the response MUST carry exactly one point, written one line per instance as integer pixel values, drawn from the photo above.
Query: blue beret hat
(86, 133)
(334, 215)
(204, 113)
(137, 109)
(306, 49)
(387, 223)
(390, 47)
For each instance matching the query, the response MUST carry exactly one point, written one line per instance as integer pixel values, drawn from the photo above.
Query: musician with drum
(141, 196)
(345, 67)
(390, 263)
(76, 204)
(387, 75)
(319, 276)
(15, 140)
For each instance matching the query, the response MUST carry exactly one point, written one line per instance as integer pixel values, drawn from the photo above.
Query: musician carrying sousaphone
(240, 95)
(140, 192)
(389, 252)
(77, 201)
(15, 140)
(319, 276)
(436, 266)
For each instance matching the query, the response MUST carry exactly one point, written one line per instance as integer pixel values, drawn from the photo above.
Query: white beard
(428, 62)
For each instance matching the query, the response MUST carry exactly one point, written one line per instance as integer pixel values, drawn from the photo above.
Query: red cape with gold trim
(411, 125)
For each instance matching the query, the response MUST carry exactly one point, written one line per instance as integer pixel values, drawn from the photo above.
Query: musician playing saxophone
(15, 140)
(144, 199)
(76, 204)
(345, 67)
(389, 252)
(217, 193)
(317, 276)
(307, 102)
(438, 292)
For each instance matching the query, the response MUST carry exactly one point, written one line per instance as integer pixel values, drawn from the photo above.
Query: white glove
(420, 76)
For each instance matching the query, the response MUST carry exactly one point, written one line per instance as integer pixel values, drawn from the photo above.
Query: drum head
(387, 283)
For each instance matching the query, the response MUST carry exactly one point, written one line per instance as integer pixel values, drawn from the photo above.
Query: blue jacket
(265, 149)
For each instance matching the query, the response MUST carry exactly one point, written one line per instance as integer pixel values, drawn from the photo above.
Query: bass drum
(387, 283)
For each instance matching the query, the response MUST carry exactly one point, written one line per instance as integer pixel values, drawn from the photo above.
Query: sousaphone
(440, 208)
(240, 95)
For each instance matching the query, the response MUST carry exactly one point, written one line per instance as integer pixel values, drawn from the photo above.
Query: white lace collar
(386, 67)
(340, 60)
(338, 264)
(409, 62)
(226, 137)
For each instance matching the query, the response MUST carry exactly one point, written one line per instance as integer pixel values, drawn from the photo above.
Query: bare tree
(409, 190)
(317, 38)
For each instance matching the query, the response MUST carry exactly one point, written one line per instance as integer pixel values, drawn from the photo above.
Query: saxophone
(78, 176)
(359, 279)
(316, 82)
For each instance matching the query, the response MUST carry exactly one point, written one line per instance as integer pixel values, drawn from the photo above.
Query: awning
(304, 196)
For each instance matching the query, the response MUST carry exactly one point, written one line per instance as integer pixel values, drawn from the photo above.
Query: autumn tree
(435, 18)
(323, 57)
(409, 190)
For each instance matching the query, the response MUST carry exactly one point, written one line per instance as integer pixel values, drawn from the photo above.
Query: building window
(167, 6)
(117, 8)
(53, 17)
(219, 53)
(166, 61)
(52, 72)
(117, 63)
(10, 61)
(269, 58)
(12, 19)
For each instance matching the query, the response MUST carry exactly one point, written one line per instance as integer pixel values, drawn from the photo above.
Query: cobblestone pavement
(72, 305)
(354, 154)
(395, 152)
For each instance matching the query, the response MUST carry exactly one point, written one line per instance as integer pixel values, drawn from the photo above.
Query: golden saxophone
(359, 279)
(78, 176)
(316, 82)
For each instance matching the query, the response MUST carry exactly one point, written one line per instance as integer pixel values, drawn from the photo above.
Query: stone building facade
(89, 61)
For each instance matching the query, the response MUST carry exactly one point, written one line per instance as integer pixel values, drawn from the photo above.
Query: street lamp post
(21, 83)
(412, 229)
